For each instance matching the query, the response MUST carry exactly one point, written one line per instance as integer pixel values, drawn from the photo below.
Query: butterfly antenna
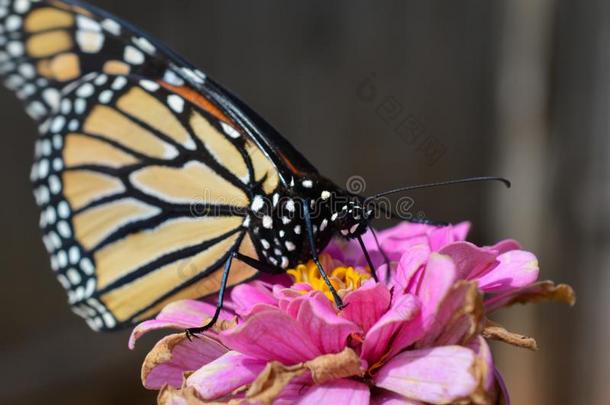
(440, 184)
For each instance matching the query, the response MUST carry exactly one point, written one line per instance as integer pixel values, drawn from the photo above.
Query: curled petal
(438, 375)
(470, 260)
(365, 305)
(271, 335)
(410, 262)
(376, 341)
(481, 348)
(436, 281)
(224, 375)
(515, 269)
(337, 392)
(540, 291)
(327, 330)
(278, 382)
(494, 331)
(459, 316)
(178, 315)
(505, 245)
(174, 355)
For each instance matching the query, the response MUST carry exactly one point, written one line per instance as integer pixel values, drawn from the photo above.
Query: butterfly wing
(144, 170)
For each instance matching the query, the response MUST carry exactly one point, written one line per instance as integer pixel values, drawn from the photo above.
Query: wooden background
(398, 92)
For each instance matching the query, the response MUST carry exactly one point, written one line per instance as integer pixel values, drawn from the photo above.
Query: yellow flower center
(343, 278)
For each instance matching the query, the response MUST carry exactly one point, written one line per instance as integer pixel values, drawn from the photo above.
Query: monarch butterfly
(145, 168)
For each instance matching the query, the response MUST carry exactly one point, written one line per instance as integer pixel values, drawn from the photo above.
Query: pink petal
(244, 296)
(337, 392)
(438, 277)
(325, 328)
(407, 334)
(410, 262)
(460, 231)
(505, 245)
(470, 260)
(391, 398)
(271, 335)
(294, 390)
(365, 305)
(516, 269)
(448, 328)
(440, 237)
(405, 230)
(437, 375)
(376, 341)
(291, 299)
(347, 252)
(395, 248)
(178, 315)
(174, 355)
(224, 375)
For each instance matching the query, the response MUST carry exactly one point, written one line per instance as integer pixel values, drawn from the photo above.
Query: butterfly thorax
(280, 229)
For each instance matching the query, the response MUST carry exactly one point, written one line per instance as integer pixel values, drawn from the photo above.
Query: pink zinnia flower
(420, 338)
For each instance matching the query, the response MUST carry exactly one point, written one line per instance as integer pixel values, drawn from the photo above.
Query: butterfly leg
(383, 253)
(314, 254)
(368, 258)
(258, 265)
(221, 294)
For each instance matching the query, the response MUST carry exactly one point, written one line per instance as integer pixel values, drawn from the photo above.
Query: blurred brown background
(398, 92)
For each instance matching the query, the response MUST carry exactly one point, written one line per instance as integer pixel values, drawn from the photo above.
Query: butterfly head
(352, 218)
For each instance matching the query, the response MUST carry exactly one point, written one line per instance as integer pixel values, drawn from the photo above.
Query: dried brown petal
(480, 396)
(541, 291)
(160, 353)
(272, 380)
(334, 366)
(495, 331)
(466, 322)
(459, 317)
(173, 396)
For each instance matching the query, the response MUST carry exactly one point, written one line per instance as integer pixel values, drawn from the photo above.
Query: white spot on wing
(119, 83)
(13, 23)
(86, 23)
(22, 6)
(90, 41)
(133, 55)
(172, 78)
(105, 96)
(257, 203)
(15, 48)
(229, 130)
(145, 45)
(111, 26)
(176, 103)
(149, 85)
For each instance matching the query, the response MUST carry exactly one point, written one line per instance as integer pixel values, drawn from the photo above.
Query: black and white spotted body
(280, 227)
